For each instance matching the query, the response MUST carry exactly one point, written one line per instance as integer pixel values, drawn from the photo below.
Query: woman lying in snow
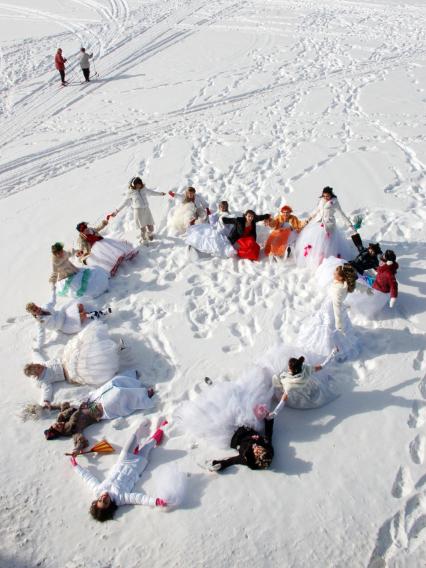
(372, 292)
(117, 398)
(68, 280)
(91, 357)
(285, 230)
(321, 238)
(192, 209)
(304, 386)
(330, 326)
(254, 449)
(115, 490)
(68, 320)
(212, 237)
(138, 200)
(243, 234)
(104, 252)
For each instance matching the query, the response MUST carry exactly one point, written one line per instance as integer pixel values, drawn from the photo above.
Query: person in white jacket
(69, 319)
(321, 237)
(330, 326)
(116, 489)
(138, 200)
(193, 209)
(212, 237)
(85, 63)
(304, 386)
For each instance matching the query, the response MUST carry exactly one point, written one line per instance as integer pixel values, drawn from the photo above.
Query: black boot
(357, 241)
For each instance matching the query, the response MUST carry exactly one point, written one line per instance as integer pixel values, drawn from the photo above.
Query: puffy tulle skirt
(220, 409)
(110, 253)
(365, 300)
(315, 244)
(277, 242)
(91, 357)
(181, 217)
(87, 282)
(206, 238)
(248, 248)
(319, 334)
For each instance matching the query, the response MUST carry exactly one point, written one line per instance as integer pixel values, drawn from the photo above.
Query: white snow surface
(261, 103)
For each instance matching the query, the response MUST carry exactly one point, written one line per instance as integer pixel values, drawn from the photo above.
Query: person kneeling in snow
(116, 489)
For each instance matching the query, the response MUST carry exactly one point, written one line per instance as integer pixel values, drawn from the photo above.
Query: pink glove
(160, 502)
(73, 461)
(172, 193)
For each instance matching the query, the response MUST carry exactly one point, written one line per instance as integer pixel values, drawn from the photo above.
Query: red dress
(247, 245)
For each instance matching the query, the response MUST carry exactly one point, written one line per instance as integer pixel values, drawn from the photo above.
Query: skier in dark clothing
(367, 258)
(254, 450)
(60, 65)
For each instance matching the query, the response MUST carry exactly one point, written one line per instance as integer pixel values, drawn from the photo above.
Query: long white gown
(109, 254)
(86, 283)
(91, 357)
(212, 237)
(330, 327)
(66, 319)
(219, 410)
(121, 396)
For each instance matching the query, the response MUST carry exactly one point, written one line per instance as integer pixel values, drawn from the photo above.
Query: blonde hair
(348, 274)
(30, 307)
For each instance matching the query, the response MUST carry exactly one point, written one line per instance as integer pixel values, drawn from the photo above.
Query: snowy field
(261, 103)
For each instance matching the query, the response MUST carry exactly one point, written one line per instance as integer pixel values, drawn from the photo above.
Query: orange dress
(276, 245)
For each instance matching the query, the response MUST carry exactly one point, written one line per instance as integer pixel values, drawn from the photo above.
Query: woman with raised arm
(137, 198)
(321, 237)
(243, 234)
(212, 238)
(116, 489)
(192, 209)
(96, 250)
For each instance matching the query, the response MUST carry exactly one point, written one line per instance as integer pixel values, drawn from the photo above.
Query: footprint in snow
(403, 483)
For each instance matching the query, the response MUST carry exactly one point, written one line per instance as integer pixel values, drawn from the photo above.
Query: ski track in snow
(330, 48)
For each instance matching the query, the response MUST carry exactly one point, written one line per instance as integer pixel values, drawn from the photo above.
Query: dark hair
(81, 226)
(375, 247)
(224, 204)
(251, 212)
(389, 256)
(135, 181)
(103, 515)
(329, 190)
(296, 365)
(57, 247)
(51, 433)
(82, 49)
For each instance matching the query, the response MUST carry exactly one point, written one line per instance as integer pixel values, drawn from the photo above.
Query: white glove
(392, 302)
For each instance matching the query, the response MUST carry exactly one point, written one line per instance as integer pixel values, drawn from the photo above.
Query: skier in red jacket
(60, 65)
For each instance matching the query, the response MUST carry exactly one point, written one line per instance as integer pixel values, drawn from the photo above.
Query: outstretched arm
(348, 222)
(135, 499)
(262, 217)
(85, 474)
(229, 220)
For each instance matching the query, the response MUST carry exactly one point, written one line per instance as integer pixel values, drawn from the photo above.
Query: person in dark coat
(243, 234)
(367, 258)
(254, 450)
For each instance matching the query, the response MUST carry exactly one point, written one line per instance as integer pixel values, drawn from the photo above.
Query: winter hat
(286, 209)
